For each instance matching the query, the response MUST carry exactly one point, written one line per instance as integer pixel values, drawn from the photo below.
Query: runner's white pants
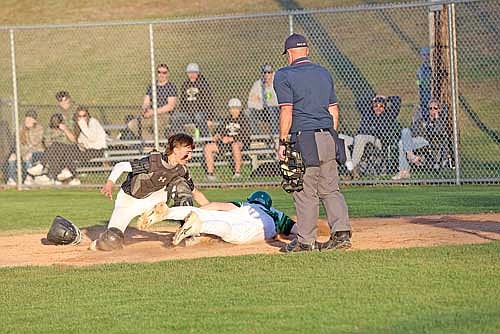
(240, 225)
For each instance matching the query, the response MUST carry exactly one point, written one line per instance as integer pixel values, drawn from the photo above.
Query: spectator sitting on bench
(90, 134)
(61, 154)
(196, 103)
(232, 135)
(6, 145)
(127, 133)
(31, 137)
(425, 131)
(378, 126)
(166, 99)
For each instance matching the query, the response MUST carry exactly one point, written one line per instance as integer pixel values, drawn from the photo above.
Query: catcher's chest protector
(157, 178)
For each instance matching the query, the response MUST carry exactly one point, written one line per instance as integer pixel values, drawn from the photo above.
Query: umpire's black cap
(295, 41)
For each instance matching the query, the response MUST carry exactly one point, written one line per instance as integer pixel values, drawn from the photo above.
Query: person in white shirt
(89, 132)
(263, 104)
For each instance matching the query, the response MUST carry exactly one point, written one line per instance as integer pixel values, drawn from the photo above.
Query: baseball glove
(152, 216)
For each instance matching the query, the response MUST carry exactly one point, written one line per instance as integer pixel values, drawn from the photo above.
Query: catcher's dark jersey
(282, 222)
(141, 166)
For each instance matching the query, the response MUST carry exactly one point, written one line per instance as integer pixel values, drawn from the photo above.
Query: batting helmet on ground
(64, 232)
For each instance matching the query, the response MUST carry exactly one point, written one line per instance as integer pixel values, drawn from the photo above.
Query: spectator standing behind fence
(233, 135)
(378, 126)
(426, 131)
(90, 134)
(424, 74)
(263, 110)
(195, 103)
(61, 154)
(309, 113)
(31, 140)
(166, 99)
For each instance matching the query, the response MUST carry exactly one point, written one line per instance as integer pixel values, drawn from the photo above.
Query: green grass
(420, 290)
(434, 290)
(89, 207)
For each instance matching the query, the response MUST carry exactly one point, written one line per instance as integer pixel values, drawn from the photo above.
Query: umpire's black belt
(315, 130)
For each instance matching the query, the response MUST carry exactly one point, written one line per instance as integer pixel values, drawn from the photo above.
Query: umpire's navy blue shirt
(309, 88)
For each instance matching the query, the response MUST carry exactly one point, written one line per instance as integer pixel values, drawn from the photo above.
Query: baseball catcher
(157, 178)
(64, 232)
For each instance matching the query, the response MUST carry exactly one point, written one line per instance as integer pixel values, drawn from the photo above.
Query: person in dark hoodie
(196, 102)
(378, 125)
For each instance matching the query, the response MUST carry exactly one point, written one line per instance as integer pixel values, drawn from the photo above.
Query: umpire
(309, 113)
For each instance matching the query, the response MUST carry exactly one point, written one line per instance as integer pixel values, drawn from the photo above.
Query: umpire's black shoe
(296, 246)
(340, 240)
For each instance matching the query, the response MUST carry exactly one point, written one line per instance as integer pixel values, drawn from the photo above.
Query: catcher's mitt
(152, 216)
(64, 232)
(292, 169)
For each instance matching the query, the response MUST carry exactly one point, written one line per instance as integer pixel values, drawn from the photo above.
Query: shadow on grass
(472, 227)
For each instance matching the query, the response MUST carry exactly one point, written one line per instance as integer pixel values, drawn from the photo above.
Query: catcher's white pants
(240, 225)
(128, 207)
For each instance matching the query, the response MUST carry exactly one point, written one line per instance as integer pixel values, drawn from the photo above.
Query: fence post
(16, 110)
(290, 23)
(454, 85)
(153, 85)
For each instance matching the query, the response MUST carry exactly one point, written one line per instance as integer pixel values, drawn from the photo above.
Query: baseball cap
(379, 99)
(267, 68)
(295, 41)
(31, 113)
(234, 103)
(192, 67)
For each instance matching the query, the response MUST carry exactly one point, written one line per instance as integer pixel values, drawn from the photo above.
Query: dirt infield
(153, 246)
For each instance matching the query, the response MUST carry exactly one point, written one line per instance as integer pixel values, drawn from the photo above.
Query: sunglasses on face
(162, 72)
(268, 72)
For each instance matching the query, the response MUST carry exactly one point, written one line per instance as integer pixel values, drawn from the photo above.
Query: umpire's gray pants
(321, 183)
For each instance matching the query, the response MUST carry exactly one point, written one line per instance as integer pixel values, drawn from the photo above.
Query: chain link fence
(417, 84)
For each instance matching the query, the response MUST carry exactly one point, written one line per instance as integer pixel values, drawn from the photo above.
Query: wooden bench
(262, 149)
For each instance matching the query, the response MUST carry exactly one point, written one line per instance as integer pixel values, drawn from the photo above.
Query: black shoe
(296, 246)
(341, 240)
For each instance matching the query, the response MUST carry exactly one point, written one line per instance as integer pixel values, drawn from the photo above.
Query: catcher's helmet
(261, 197)
(64, 232)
